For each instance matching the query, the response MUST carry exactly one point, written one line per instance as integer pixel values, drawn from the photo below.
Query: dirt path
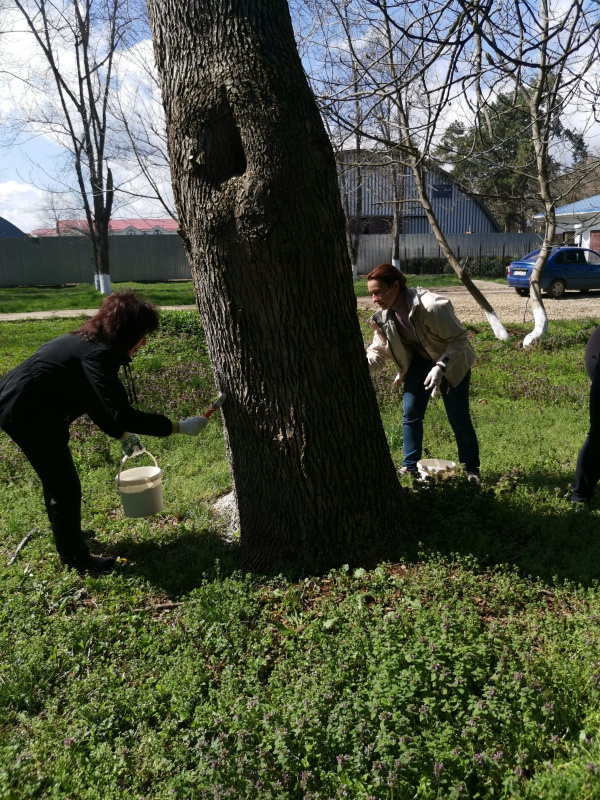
(71, 312)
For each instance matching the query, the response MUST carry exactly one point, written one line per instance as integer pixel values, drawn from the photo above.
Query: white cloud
(37, 151)
(21, 204)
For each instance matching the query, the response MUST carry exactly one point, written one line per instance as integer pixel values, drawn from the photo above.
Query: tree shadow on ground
(515, 521)
(187, 558)
(181, 563)
(523, 521)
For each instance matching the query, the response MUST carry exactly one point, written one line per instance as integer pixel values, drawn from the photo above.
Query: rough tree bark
(256, 190)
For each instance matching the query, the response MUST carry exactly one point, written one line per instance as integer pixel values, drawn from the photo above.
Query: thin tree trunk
(496, 325)
(415, 162)
(355, 243)
(345, 197)
(103, 210)
(398, 185)
(256, 191)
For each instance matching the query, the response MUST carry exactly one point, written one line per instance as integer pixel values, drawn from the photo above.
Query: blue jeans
(456, 402)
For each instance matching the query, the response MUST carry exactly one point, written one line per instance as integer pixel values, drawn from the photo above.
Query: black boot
(88, 533)
(86, 562)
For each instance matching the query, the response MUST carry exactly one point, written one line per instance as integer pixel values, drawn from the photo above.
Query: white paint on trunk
(497, 327)
(105, 286)
(354, 272)
(396, 263)
(541, 326)
(97, 281)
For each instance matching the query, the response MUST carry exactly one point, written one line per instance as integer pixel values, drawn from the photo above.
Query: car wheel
(522, 292)
(557, 288)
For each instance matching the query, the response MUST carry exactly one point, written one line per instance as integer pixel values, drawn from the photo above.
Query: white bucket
(436, 468)
(140, 489)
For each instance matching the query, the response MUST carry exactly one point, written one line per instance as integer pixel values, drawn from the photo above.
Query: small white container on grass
(140, 489)
(436, 468)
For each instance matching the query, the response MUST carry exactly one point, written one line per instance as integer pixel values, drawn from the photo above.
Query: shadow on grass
(542, 535)
(508, 520)
(182, 563)
(184, 560)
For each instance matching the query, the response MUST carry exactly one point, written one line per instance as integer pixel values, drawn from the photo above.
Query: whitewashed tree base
(540, 319)
(225, 508)
(497, 327)
(104, 284)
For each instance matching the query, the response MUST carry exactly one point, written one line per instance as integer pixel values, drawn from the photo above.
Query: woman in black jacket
(69, 376)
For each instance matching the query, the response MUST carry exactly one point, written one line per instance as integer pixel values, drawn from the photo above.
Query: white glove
(433, 379)
(132, 445)
(192, 425)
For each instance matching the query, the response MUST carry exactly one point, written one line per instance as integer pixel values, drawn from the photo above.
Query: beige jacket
(437, 328)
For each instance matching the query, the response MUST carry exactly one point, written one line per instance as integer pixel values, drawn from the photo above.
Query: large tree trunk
(256, 191)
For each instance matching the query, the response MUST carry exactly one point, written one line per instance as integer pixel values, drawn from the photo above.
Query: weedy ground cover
(469, 669)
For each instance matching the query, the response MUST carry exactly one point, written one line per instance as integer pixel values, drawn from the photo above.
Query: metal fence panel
(68, 259)
(416, 248)
(372, 250)
(148, 258)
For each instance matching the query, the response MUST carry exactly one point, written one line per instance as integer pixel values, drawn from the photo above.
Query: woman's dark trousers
(587, 473)
(51, 458)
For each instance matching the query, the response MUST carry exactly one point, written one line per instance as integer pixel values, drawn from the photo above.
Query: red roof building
(116, 227)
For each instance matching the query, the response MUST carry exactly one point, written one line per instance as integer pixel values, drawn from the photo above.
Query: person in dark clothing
(69, 376)
(587, 473)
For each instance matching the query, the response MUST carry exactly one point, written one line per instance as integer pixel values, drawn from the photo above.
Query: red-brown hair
(388, 274)
(122, 320)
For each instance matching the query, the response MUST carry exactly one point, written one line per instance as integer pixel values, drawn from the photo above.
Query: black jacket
(68, 377)
(592, 353)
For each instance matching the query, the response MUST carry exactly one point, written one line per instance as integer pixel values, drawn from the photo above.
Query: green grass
(472, 671)
(177, 293)
(57, 298)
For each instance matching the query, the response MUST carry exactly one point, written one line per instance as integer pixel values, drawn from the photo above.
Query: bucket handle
(124, 459)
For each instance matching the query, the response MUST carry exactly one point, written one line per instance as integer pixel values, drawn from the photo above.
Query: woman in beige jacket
(419, 331)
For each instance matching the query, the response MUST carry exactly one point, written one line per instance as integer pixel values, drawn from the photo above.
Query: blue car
(567, 268)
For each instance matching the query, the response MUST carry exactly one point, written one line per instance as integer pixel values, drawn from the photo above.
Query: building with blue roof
(581, 218)
(10, 231)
